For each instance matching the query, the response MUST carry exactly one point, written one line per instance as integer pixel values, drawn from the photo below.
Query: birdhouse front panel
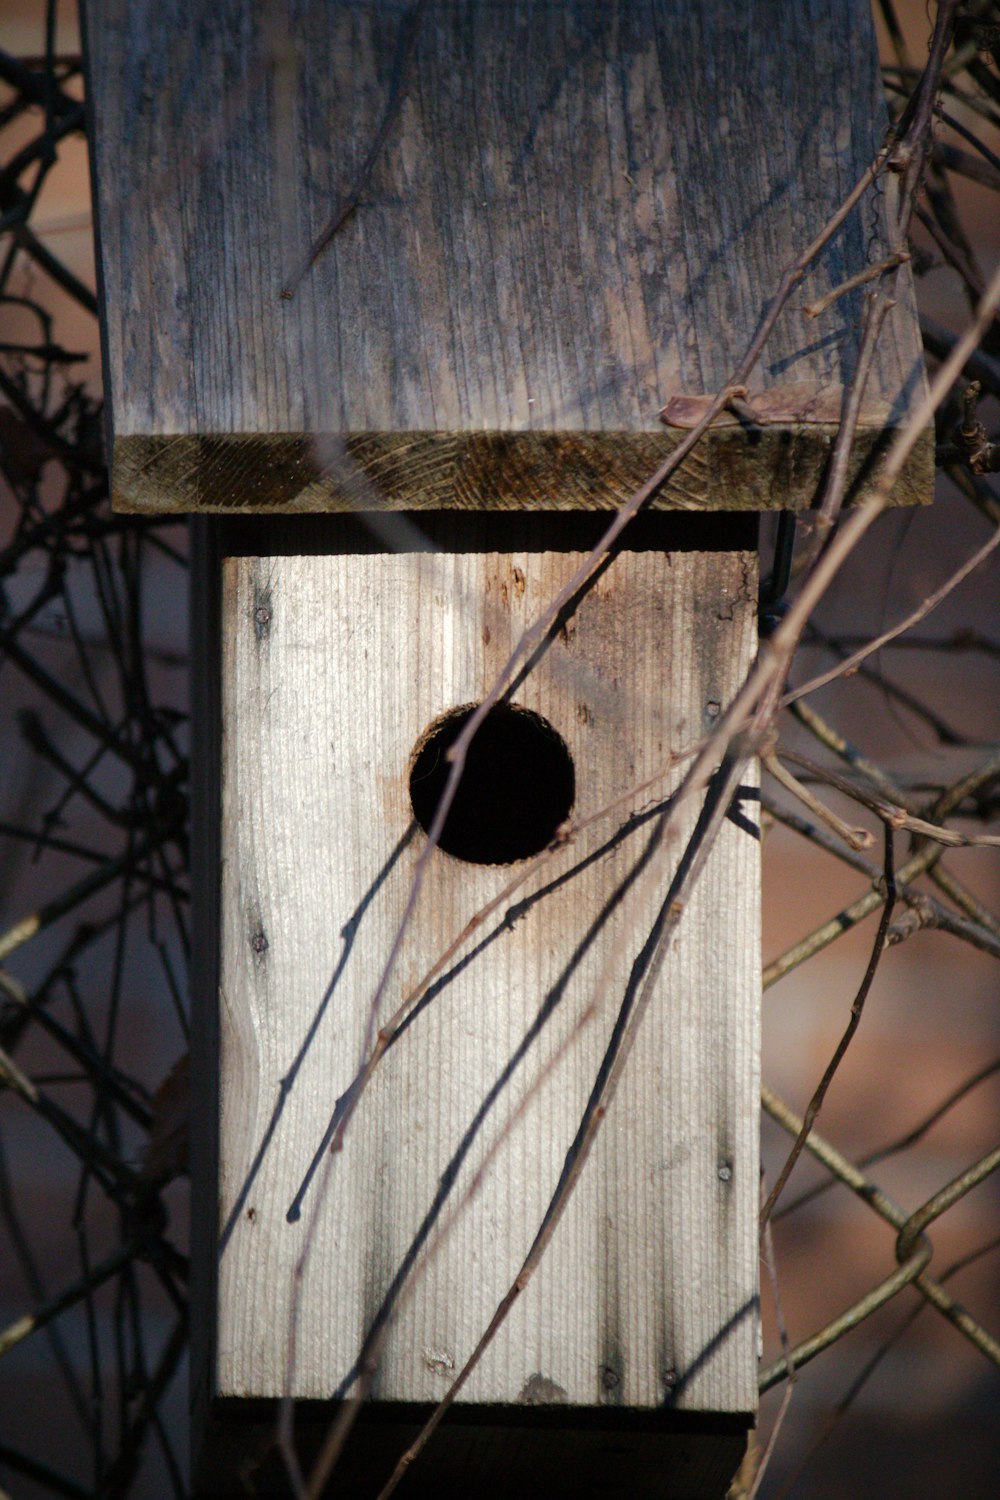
(523, 962)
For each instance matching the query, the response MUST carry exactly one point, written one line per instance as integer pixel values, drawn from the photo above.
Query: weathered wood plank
(579, 210)
(737, 468)
(333, 666)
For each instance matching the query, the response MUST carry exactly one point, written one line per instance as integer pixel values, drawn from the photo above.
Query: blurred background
(93, 888)
(93, 746)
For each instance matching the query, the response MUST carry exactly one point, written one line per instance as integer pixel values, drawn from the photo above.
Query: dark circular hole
(517, 785)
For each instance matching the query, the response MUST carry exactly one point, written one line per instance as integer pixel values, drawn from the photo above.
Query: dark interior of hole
(517, 785)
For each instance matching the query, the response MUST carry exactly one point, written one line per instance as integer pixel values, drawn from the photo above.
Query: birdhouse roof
(482, 255)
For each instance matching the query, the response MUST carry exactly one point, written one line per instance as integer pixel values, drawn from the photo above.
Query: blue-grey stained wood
(579, 209)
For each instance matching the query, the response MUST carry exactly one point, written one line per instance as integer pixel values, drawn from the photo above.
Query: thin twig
(409, 27)
(855, 838)
(651, 961)
(845, 668)
(903, 1143)
(870, 273)
(857, 1007)
(768, 1257)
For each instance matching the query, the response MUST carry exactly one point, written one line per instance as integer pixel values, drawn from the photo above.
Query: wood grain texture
(646, 1300)
(734, 468)
(580, 209)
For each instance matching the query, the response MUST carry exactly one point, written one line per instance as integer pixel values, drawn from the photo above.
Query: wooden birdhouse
(396, 293)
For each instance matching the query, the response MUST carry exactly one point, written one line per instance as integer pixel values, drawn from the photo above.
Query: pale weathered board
(579, 209)
(333, 665)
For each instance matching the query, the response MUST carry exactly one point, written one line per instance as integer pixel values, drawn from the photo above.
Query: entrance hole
(517, 784)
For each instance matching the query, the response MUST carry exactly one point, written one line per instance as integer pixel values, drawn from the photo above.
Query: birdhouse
(395, 295)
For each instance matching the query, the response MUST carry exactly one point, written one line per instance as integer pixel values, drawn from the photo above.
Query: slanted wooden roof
(568, 212)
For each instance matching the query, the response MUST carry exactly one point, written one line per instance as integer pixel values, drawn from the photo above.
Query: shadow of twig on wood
(349, 934)
(450, 1173)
